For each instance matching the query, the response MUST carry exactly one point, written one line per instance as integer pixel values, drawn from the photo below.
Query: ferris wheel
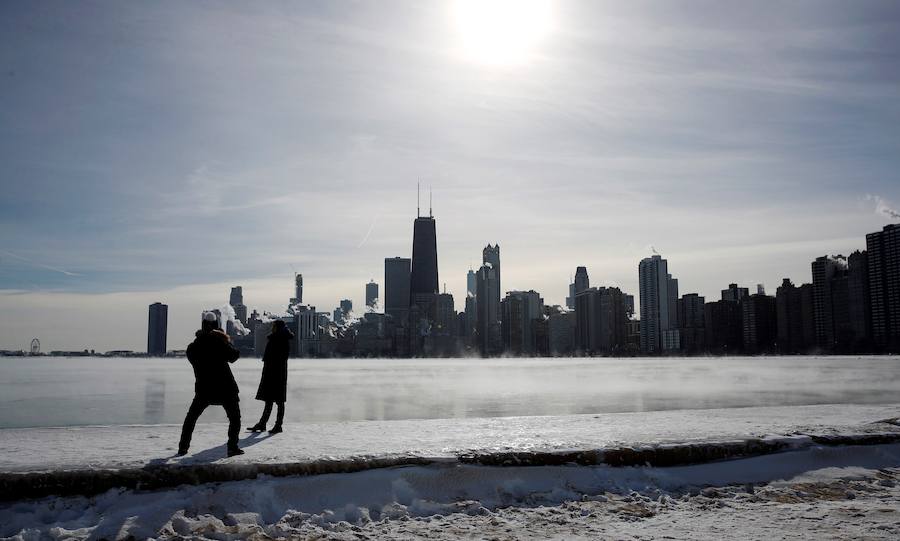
(35, 347)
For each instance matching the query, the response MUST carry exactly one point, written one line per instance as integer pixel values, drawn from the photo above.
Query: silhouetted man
(209, 354)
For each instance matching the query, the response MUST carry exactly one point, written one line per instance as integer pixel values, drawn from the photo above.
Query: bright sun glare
(502, 32)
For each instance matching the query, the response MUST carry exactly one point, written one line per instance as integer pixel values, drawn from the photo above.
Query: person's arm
(229, 352)
(190, 353)
(233, 353)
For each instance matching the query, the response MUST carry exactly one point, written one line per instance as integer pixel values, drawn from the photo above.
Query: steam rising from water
(882, 207)
(228, 315)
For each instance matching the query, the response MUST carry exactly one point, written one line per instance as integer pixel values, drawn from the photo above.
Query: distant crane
(35, 347)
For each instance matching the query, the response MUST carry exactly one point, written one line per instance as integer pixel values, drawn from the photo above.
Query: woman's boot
(278, 420)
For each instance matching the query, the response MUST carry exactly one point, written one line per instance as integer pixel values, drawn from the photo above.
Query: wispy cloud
(34, 263)
(369, 232)
(206, 148)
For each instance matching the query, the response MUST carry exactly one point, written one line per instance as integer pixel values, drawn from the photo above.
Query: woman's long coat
(273, 385)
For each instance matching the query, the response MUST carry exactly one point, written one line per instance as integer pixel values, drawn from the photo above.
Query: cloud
(38, 265)
(206, 148)
(369, 232)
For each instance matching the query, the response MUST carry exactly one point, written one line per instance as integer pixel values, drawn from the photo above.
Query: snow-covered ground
(806, 490)
(116, 447)
(833, 492)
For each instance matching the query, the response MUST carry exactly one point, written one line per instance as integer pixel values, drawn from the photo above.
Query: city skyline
(665, 302)
(740, 147)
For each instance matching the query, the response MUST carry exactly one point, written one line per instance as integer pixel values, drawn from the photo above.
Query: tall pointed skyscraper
(423, 284)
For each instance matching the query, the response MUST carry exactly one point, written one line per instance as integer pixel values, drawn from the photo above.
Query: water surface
(50, 391)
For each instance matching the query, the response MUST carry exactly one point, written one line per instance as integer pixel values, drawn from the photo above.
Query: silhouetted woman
(273, 385)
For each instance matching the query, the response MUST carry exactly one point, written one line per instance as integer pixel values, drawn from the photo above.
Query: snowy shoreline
(90, 460)
(776, 472)
(838, 492)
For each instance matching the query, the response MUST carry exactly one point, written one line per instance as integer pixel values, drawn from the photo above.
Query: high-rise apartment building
(692, 322)
(883, 254)
(794, 317)
(658, 295)
(735, 293)
(561, 331)
(860, 301)
(601, 320)
(831, 303)
(157, 328)
(759, 326)
(723, 327)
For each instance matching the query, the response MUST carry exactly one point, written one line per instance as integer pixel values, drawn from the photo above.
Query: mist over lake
(44, 391)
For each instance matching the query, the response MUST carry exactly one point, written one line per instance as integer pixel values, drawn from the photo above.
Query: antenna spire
(418, 200)
(430, 214)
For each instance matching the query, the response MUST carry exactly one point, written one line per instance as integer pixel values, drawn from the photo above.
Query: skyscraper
(471, 316)
(298, 289)
(691, 322)
(883, 249)
(470, 283)
(794, 317)
(735, 293)
(519, 312)
(491, 255)
(445, 316)
(396, 288)
(579, 284)
(423, 284)
(723, 327)
(658, 293)
(487, 306)
(371, 294)
(760, 329)
(236, 300)
(307, 338)
(600, 320)
(561, 330)
(582, 281)
(860, 300)
(237, 296)
(831, 313)
(157, 328)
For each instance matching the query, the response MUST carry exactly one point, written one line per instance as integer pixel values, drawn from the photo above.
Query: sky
(167, 151)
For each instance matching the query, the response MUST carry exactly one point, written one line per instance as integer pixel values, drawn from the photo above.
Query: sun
(502, 32)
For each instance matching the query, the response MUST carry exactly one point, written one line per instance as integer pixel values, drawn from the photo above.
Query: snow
(834, 491)
(808, 490)
(117, 447)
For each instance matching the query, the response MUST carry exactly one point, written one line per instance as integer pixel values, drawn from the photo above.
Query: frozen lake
(45, 391)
